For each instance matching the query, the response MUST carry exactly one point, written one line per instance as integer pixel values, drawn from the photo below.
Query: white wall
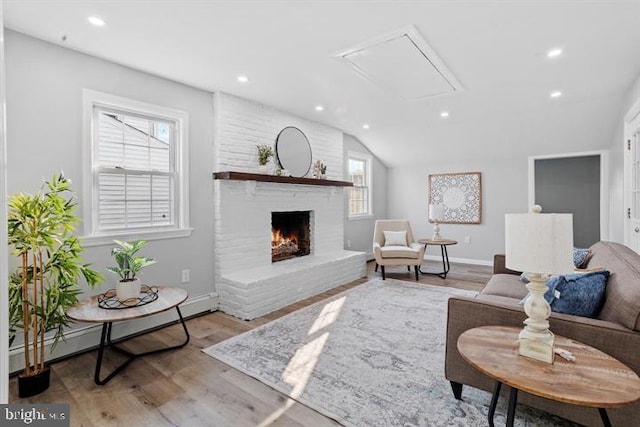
(504, 190)
(616, 171)
(44, 135)
(4, 309)
(241, 124)
(359, 232)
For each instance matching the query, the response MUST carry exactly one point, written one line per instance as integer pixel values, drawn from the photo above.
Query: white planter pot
(128, 290)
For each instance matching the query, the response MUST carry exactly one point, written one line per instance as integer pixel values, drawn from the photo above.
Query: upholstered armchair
(393, 244)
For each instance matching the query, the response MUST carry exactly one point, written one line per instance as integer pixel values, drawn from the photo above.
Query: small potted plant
(129, 265)
(45, 283)
(265, 153)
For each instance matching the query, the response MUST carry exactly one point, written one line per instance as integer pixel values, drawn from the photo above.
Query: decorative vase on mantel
(319, 170)
(265, 169)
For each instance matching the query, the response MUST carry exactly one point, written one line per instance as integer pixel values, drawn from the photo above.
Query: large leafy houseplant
(45, 282)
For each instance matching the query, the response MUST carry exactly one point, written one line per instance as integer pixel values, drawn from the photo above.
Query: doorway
(632, 177)
(573, 183)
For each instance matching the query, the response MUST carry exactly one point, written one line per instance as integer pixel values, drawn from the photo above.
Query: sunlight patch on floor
(297, 374)
(328, 315)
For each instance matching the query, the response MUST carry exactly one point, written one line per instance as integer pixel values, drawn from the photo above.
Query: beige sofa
(616, 331)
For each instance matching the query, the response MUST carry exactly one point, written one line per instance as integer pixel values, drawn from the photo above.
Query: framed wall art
(460, 194)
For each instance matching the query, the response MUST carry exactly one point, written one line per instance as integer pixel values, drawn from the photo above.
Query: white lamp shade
(539, 243)
(436, 212)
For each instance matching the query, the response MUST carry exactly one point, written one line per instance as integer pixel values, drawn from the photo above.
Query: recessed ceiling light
(444, 114)
(242, 78)
(319, 108)
(555, 94)
(365, 126)
(98, 22)
(554, 53)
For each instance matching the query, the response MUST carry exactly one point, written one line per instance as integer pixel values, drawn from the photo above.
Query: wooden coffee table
(594, 379)
(443, 250)
(88, 311)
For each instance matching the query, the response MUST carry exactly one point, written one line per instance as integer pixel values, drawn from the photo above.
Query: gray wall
(359, 232)
(572, 185)
(4, 274)
(504, 190)
(44, 135)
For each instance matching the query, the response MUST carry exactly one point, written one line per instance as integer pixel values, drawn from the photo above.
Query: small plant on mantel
(128, 267)
(265, 153)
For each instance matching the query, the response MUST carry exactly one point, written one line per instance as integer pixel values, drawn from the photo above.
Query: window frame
(368, 159)
(180, 228)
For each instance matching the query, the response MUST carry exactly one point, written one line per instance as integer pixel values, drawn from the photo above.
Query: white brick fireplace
(248, 283)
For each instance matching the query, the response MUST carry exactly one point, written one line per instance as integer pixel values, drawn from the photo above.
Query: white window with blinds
(359, 169)
(136, 179)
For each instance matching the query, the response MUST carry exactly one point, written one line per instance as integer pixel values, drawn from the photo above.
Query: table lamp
(436, 213)
(538, 244)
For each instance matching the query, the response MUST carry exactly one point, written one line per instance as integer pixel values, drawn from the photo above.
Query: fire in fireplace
(290, 235)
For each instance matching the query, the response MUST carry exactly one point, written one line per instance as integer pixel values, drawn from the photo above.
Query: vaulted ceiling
(496, 50)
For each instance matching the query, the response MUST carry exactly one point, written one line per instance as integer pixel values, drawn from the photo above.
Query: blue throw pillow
(580, 256)
(577, 294)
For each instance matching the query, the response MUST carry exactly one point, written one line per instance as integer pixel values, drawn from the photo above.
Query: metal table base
(105, 341)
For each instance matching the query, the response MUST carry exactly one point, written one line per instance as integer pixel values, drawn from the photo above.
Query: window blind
(134, 171)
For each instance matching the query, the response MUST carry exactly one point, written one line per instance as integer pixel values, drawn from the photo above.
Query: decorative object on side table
(460, 194)
(265, 153)
(109, 300)
(129, 265)
(538, 244)
(436, 213)
(46, 282)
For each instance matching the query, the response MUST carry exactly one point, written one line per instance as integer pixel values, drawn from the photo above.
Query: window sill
(360, 217)
(107, 239)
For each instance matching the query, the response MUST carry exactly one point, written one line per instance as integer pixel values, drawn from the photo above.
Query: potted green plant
(45, 282)
(265, 153)
(129, 265)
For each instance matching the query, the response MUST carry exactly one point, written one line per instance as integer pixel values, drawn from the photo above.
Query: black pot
(30, 385)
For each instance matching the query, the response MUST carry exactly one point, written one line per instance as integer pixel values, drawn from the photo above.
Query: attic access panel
(403, 63)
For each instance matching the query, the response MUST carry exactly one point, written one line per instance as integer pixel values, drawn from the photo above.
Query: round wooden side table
(89, 311)
(443, 250)
(594, 379)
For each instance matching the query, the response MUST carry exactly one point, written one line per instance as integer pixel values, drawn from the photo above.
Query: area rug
(371, 356)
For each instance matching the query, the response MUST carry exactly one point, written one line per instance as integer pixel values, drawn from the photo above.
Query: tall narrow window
(360, 194)
(138, 181)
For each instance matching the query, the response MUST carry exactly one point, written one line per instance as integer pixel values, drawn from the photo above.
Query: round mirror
(293, 151)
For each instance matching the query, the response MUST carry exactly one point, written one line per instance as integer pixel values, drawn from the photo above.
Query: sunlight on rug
(371, 356)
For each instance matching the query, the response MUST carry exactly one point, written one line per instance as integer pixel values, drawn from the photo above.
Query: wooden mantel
(244, 176)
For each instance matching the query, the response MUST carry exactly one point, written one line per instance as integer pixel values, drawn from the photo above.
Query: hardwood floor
(188, 388)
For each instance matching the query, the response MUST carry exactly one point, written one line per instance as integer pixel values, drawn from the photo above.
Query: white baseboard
(439, 259)
(460, 260)
(86, 337)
